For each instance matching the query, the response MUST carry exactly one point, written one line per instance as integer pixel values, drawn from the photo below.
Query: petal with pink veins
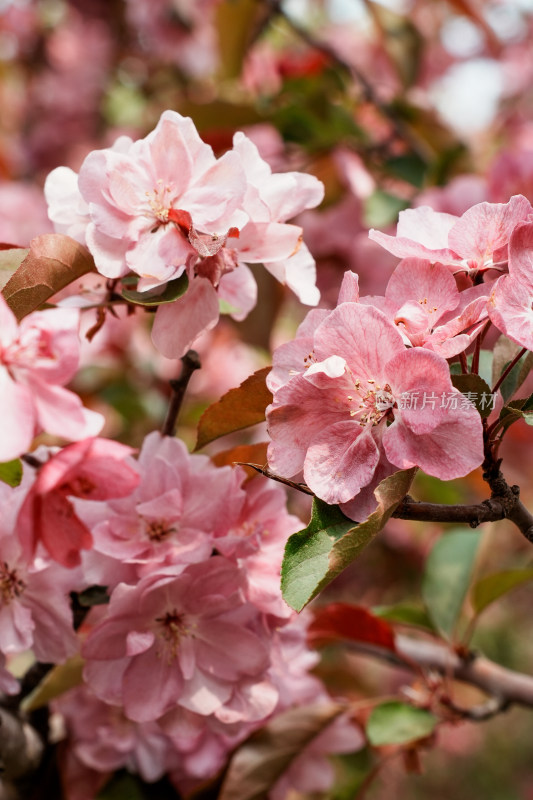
(451, 450)
(340, 461)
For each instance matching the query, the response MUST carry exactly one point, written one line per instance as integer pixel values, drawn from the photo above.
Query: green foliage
(447, 577)
(11, 472)
(316, 555)
(410, 167)
(382, 209)
(313, 112)
(406, 614)
(398, 723)
(517, 409)
(479, 388)
(492, 587)
(173, 290)
(122, 786)
(504, 352)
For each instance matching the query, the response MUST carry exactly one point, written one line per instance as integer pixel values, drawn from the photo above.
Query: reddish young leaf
(342, 621)
(251, 453)
(237, 409)
(53, 262)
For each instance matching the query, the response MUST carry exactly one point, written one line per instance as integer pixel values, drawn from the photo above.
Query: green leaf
(355, 770)
(410, 168)
(316, 555)
(492, 587)
(447, 576)
(405, 614)
(398, 723)
(268, 753)
(475, 389)
(59, 680)
(173, 290)
(53, 262)
(382, 209)
(122, 786)
(505, 351)
(521, 408)
(10, 260)
(11, 472)
(237, 409)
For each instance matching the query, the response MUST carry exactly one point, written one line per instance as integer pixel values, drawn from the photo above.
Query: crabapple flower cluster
(164, 207)
(343, 414)
(195, 648)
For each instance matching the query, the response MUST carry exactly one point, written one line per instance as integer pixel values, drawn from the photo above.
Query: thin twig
(508, 369)
(190, 362)
(301, 487)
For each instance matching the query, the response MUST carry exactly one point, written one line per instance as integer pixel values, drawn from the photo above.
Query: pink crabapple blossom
(37, 357)
(429, 310)
(164, 206)
(35, 611)
(343, 421)
(511, 301)
(475, 242)
(102, 740)
(94, 469)
(191, 630)
(168, 518)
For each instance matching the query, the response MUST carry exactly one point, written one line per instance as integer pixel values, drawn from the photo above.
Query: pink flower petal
(177, 325)
(340, 461)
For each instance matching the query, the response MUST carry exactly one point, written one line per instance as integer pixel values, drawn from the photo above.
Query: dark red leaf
(342, 621)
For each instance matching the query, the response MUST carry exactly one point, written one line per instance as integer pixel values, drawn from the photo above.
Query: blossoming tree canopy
(350, 253)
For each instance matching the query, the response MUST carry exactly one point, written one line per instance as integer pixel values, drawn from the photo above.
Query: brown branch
(190, 362)
(473, 515)
(508, 496)
(506, 687)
